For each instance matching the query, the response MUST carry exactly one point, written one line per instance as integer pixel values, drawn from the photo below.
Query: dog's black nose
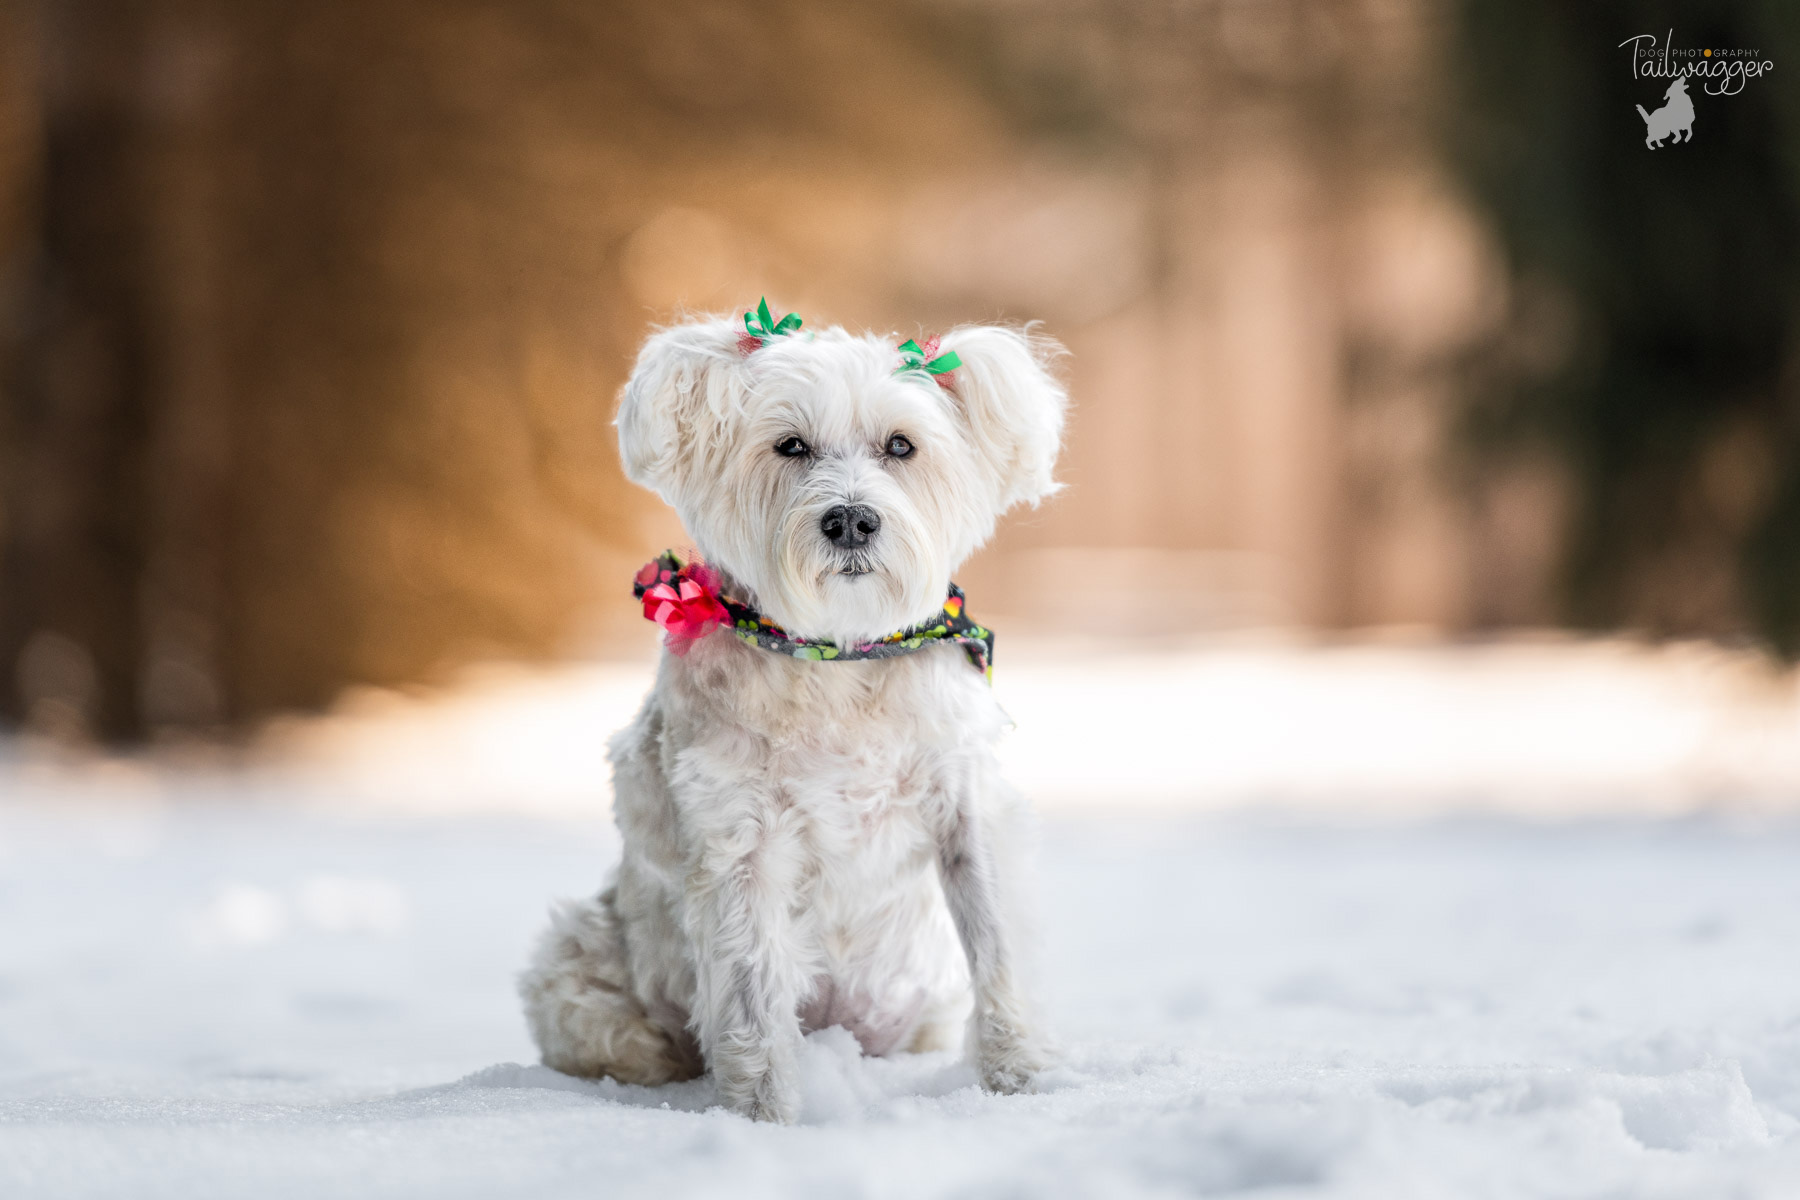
(850, 526)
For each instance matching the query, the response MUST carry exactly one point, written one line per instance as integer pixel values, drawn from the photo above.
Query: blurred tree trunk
(315, 314)
(81, 391)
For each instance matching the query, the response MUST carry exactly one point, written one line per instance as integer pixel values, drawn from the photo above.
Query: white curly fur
(811, 843)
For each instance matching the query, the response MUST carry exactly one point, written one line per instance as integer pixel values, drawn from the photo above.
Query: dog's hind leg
(580, 1005)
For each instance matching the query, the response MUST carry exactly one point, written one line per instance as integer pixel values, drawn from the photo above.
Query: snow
(1372, 922)
(1539, 727)
(268, 1000)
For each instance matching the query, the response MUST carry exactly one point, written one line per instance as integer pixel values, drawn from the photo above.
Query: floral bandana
(685, 599)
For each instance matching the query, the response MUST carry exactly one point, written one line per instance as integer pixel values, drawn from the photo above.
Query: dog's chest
(855, 757)
(858, 805)
(852, 757)
(867, 888)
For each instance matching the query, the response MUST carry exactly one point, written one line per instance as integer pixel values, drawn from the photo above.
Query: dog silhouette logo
(1676, 116)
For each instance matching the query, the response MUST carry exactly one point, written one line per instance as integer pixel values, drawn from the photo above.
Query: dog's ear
(1013, 405)
(680, 389)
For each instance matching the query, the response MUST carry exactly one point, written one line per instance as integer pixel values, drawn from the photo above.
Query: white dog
(814, 828)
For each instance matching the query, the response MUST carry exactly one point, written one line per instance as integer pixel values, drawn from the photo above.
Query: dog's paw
(762, 1091)
(769, 1099)
(771, 1110)
(1009, 1064)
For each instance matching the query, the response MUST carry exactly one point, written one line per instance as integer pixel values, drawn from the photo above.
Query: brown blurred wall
(328, 303)
(315, 313)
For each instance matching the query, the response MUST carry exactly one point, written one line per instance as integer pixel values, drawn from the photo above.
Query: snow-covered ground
(226, 984)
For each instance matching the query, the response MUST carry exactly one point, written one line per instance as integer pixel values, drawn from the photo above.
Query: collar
(688, 601)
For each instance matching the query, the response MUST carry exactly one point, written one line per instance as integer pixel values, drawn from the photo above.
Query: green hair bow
(763, 326)
(913, 358)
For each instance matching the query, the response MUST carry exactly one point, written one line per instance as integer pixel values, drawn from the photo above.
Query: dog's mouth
(855, 567)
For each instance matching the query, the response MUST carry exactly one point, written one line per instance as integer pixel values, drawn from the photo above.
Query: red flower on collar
(684, 602)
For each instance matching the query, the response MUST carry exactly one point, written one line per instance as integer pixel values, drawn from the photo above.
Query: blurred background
(1410, 389)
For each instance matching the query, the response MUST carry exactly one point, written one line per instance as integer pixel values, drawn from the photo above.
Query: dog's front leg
(1007, 1053)
(748, 965)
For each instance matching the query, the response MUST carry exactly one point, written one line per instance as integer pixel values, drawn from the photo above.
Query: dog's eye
(792, 447)
(899, 446)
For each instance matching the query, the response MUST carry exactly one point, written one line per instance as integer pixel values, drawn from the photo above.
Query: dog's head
(1678, 88)
(840, 491)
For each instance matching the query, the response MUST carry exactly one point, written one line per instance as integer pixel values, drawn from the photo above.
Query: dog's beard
(813, 589)
(854, 565)
(862, 601)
